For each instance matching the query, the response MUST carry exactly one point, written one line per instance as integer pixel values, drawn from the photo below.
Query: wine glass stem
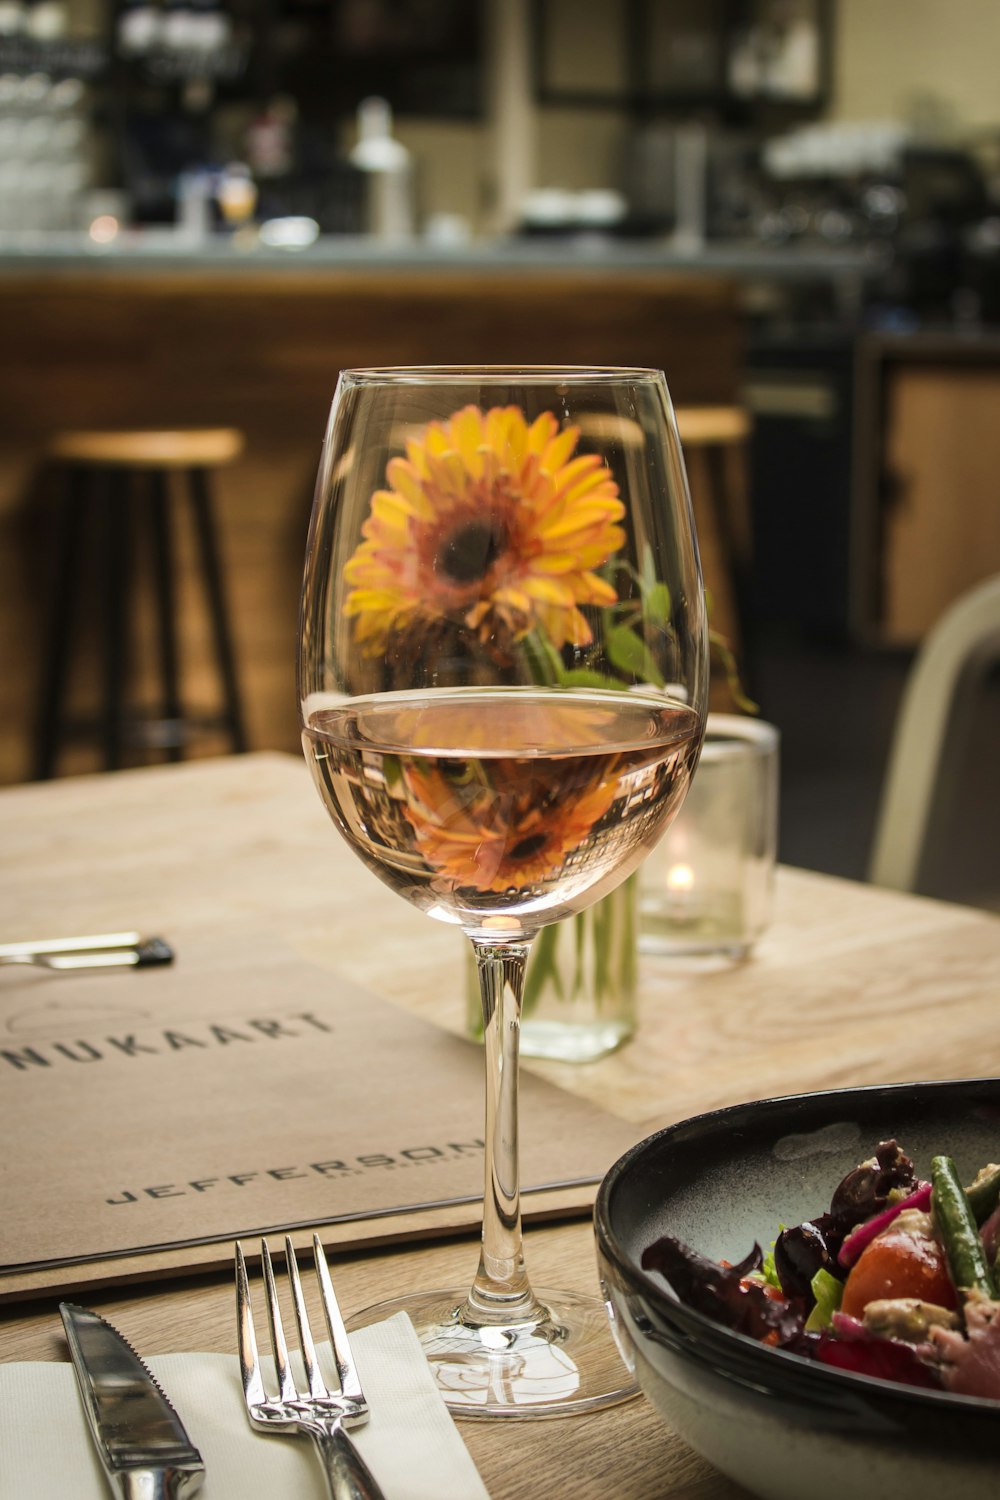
(501, 1293)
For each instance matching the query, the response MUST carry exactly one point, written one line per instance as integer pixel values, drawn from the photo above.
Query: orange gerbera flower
(501, 832)
(491, 524)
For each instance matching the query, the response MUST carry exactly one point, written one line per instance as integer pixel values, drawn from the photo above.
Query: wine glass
(502, 682)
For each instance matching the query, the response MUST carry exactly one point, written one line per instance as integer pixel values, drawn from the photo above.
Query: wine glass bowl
(502, 809)
(502, 681)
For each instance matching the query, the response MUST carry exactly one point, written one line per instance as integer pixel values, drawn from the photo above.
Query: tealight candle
(680, 892)
(705, 888)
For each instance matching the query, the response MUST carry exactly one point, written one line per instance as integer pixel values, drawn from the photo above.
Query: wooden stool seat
(702, 426)
(206, 447)
(119, 484)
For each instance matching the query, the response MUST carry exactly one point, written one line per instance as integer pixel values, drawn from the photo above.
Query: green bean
(984, 1193)
(970, 1270)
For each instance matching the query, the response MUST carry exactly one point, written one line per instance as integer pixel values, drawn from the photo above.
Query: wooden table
(850, 985)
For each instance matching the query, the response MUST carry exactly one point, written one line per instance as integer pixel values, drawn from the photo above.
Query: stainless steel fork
(324, 1414)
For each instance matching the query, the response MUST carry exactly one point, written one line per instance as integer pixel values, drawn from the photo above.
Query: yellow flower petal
(549, 518)
(587, 484)
(577, 521)
(558, 451)
(467, 435)
(548, 591)
(515, 598)
(408, 483)
(541, 432)
(599, 591)
(549, 563)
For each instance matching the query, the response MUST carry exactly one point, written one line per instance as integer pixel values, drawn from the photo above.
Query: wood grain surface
(850, 985)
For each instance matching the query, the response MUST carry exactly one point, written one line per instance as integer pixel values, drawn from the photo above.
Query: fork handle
(347, 1474)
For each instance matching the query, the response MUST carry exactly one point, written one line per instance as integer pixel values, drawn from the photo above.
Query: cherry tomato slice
(899, 1263)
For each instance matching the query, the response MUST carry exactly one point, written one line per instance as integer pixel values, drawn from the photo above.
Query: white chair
(934, 718)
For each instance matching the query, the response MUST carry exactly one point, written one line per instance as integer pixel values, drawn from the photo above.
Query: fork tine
(286, 1384)
(253, 1384)
(347, 1370)
(315, 1379)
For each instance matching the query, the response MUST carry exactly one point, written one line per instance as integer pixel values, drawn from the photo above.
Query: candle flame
(680, 878)
(104, 229)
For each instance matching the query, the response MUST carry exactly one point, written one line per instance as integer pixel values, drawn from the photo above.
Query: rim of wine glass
(501, 374)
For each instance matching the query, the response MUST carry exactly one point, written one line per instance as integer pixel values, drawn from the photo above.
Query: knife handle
(158, 1484)
(347, 1474)
(153, 951)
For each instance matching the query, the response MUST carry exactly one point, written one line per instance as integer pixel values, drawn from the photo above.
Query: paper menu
(173, 1108)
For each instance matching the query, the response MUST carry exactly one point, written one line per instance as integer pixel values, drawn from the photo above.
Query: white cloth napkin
(410, 1443)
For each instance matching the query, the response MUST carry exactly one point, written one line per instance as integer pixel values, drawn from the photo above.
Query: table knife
(108, 950)
(140, 1439)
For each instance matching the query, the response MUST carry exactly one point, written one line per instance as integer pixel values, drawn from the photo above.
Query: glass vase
(580, 988)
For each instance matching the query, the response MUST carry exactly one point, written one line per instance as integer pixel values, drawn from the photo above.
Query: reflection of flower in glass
(493, 825)
(491, 523)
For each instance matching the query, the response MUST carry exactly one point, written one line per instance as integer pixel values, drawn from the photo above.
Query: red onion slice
(863, 1235)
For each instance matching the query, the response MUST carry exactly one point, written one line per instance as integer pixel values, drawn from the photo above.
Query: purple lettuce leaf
(722, 1293)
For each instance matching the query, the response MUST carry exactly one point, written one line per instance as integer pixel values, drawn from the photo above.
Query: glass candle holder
(707, 885)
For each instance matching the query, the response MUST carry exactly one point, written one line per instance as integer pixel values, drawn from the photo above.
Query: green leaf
(628, 960)
(626, 651)
(580, 952)
(544, 662)
(657, 603)
(631, 655)
(542, 967)
(602, 916)
(719, 646)
(648, 580)
(586, 677)
(828, 1291)
(767, 1270)
(393, 773)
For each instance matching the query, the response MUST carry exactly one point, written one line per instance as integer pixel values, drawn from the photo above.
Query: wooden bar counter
(259, 347)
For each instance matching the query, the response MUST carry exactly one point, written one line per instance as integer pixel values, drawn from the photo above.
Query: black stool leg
(73, 505)
(166, 614)
(201, 505)
(116, 617)
(732, 551)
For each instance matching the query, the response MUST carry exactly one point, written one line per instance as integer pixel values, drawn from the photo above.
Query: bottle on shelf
(11, 18)
(179, 27)
(139, 27)
(386, 164)
(45, 20)
(209, 27)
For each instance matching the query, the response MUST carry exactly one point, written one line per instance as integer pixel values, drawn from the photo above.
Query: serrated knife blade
(140, 1439)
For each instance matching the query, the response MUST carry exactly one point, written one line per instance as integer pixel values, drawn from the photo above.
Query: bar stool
(714, 440)
(114, 483)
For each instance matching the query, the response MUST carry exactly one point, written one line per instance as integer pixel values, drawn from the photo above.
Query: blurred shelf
(60, 57)
(141, 250)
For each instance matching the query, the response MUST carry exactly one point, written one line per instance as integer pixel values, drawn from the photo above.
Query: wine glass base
(563, 1363)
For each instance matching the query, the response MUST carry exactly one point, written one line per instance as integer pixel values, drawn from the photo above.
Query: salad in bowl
(896, 1277)
(854, 1353)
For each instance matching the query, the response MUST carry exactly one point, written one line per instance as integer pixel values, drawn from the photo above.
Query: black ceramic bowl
(782, 1425)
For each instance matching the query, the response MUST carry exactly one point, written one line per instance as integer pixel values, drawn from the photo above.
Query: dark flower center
(529, 846)
(469, 552)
